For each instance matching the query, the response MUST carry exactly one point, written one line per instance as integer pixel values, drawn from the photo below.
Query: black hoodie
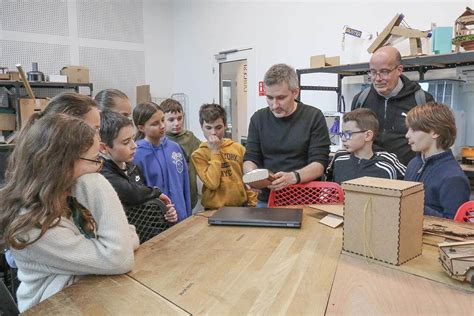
(129, 186)
(392, 130)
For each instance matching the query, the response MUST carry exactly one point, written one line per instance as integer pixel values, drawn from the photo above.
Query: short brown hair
(281, 73)
(110, 125)
(211, 112)
(365, 119)
(434, 117)
(171, 105)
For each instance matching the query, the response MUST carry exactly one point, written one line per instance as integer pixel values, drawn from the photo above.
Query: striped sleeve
(392, 159)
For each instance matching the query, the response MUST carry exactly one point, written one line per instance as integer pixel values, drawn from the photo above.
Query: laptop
(252, 216)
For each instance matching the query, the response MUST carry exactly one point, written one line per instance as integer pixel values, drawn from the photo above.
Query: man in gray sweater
(288, 138)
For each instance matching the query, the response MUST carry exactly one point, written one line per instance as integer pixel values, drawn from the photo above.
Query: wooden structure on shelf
(394, 29)
(464, 30)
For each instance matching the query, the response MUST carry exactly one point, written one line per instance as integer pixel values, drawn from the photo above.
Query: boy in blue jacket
(431, 131)
(161, 160)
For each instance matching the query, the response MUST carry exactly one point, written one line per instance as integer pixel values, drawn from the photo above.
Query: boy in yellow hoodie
(218, 163)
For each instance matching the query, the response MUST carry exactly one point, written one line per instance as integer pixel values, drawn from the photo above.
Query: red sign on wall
(261, 89)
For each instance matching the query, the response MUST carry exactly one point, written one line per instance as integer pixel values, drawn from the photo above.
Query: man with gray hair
(288, 138)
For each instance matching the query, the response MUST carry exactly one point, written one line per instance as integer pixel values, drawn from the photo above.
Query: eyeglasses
(383, 73)
(97, 161)
(348, 134)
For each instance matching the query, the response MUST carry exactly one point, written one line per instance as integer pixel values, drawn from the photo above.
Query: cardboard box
(319, 61)
(30, 106)
(14, 75)
(333, 61)
(7, 122)
(143, 94)
(57, 78)
(76, 74)
(383, 219)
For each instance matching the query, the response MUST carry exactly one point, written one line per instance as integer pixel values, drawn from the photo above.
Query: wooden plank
(372, 289)
(407, 32)
(242, 270)
(335, 209)
(385, 34)
(448, 227)
(446, 237)
(106, 295)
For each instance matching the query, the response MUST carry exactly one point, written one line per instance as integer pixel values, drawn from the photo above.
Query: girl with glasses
(60, 218)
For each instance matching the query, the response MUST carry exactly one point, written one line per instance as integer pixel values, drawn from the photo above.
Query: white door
(236, 90)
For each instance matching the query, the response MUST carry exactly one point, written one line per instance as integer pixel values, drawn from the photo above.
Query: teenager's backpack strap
(420, 97)
(362, 97)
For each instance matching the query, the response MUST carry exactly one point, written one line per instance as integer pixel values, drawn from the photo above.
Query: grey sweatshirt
(63, 254)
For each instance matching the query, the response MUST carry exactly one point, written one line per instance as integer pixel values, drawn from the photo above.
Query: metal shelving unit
(17, 85)
(420, 64)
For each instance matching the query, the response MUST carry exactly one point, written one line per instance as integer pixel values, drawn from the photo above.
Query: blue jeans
(261, 204)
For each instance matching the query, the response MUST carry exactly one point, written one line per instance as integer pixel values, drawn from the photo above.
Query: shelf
(417, 63)
(45, 84)
(420, 64)
(17, 85)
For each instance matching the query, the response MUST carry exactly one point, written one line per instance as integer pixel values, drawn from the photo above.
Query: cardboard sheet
(332, 220)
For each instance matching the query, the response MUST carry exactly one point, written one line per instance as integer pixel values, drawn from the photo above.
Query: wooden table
(106, 295)
(240, 270)
(196, 268)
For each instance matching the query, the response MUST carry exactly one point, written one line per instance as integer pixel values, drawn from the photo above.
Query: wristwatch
(297, 176)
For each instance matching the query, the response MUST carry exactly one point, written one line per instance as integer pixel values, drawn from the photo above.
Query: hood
(409, 87)
(185, 133)
(225, 142)
(144, 144)
(110, 164)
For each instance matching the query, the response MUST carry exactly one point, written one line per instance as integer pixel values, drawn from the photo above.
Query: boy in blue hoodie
(431, 131)
(161, 160)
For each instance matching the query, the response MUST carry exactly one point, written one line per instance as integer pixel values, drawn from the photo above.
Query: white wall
(105, 36)
(159, 47)
(280, 31)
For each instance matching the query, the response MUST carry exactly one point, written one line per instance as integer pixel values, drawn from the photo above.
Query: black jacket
(345, 166)
(129, 186)
(392, 131)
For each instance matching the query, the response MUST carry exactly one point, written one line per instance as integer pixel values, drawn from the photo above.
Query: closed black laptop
(252, 216)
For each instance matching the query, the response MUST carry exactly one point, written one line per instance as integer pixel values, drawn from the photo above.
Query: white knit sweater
(63, 254)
